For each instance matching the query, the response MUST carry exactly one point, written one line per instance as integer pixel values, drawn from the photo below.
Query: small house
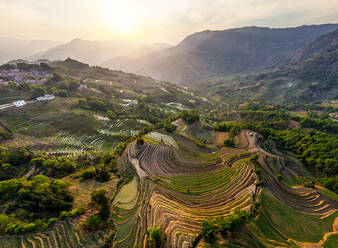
(45, 97)
(19, 103)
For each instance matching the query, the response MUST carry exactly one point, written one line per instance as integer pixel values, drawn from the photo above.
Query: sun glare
(122, 16)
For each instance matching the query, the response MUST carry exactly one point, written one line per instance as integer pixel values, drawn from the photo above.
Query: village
(23, 76)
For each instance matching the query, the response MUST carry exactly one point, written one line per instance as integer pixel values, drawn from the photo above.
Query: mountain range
(11, 49)
(97, 52)
(199, 56)
(311, 73)
(220, 53)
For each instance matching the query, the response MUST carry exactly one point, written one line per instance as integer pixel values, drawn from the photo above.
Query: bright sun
(121, 15)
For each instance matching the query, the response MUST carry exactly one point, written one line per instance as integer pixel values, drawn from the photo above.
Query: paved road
(7, 105)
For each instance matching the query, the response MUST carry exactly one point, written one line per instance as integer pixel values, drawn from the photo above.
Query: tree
(170, 127)
(139, 141)
(111, 115)
(102, 173)
(37, 162)
(92, 223)
(229, 143)
(100, 200)
(208, 230)
(156, 238)
(7, 171)
(189, 116)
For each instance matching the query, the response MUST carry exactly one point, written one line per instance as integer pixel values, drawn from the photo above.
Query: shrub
(102, 173)
(190, 116)
(229, 143)
(156, 238)
(309, 184)
(92, 223)
(88, 173)
(52, 221)
(331, 183)
(72, 213)
(139, 141)
(170, 127)
(208, 230)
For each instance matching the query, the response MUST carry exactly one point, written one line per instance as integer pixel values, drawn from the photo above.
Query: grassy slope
(292, 224)
(81, 190)
(331, 242)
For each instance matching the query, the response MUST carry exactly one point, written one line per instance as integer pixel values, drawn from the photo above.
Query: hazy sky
(152, 20)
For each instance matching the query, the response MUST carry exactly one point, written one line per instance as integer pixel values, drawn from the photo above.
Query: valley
(239, 149)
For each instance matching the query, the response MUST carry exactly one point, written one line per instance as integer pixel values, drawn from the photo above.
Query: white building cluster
(19, 103)
(46, 97)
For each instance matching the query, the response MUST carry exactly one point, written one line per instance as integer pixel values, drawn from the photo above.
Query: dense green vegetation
(189, 116)
(32, 205)
(229, 224)
(13, 162)
(100, 201)
(316, 148)
(308, 228)
(156, 238)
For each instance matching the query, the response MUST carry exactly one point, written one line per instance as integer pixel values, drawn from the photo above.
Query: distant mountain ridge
(96, 52)
(219, 53)
(318, 59)
(311, 73)
(199, 56)
(11, 49)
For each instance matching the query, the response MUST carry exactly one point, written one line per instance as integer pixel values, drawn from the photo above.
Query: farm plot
(181, 205)
(298, 197)
(159, 160)
(126, 214)
(61, 235)
(184, 189)
(186, 184)
(280, 225)
(127, 193)
(199, 131)
(106, 138)
(175, 107)
(162, 138)
(81, 190)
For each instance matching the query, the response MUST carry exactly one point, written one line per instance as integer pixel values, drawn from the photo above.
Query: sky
(151, 21)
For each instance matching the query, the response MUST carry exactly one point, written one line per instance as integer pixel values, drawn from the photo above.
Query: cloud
(165, 20)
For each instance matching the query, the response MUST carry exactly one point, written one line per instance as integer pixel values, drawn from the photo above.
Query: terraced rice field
(181, 184)
(162, 138)
(106, 138)
(291, 216)
(180, 190)
(126, 213)
(61, 235)
(279, 225)
(199, 131)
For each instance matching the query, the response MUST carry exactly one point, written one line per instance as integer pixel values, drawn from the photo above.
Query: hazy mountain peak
(76, 40)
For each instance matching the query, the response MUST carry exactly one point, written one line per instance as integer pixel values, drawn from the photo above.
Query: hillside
(123, 160)
(309, 74)
(318, 59)
(219, 53)
(97, 106)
